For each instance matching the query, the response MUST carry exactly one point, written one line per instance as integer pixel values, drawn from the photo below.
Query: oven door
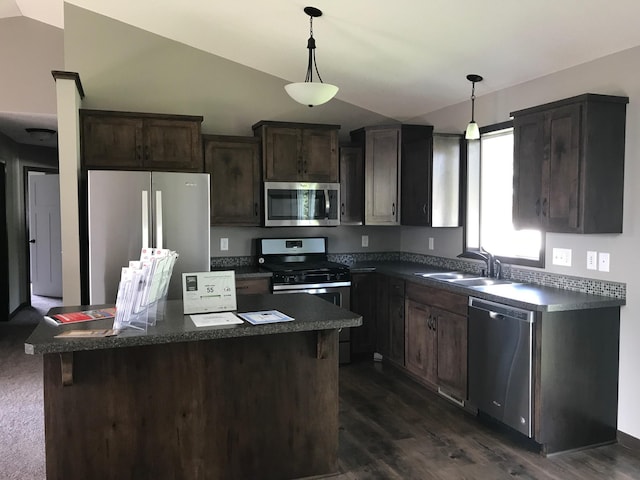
(301, 204)
(339, 296)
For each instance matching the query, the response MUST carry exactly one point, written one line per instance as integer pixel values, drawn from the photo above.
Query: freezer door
(181, 220)
(115, 220)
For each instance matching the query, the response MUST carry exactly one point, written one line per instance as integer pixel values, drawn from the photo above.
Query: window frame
(469, 252)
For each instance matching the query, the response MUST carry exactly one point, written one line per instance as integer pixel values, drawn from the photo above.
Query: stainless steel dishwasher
(501, 362)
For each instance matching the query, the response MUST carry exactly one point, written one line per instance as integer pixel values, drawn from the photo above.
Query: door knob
(33, 240)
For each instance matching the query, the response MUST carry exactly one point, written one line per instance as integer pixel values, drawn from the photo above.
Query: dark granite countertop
(523, 295)
(311, 313)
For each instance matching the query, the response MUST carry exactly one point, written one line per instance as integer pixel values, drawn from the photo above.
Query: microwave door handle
(327, 204)
(145, 219)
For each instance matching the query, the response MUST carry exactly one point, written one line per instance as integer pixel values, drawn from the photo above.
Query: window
(490, 201)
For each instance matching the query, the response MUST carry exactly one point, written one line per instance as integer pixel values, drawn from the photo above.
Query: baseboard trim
(628, 441)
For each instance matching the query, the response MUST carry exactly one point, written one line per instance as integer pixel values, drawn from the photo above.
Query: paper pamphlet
(215, 319)
(97, 333)
(82, 316)
(267, 316)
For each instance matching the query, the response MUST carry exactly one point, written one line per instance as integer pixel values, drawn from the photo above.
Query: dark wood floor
(392, 428)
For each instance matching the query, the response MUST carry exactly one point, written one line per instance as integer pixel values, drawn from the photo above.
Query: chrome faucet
(494, 266)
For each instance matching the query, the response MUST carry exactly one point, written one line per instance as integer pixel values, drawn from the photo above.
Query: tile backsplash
(535, 276)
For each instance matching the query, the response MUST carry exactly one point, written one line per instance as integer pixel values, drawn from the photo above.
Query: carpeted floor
(21, 400)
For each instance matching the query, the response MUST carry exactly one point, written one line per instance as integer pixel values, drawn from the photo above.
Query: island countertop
(310, 313)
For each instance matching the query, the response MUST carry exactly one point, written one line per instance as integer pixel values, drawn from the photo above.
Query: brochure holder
(143, 289)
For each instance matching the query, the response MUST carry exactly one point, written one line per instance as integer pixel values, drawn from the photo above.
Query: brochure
(82, 316)
(266, 316)
(215, 319)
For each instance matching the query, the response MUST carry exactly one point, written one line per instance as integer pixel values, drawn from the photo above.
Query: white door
(44, 235)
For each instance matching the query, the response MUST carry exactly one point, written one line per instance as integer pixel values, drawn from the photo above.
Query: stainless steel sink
(481, 282)
(447, 276)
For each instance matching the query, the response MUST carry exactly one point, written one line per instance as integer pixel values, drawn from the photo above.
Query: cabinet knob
(544, 207)
(393, 209)
(424, 209)
(138, 152)
(255, 209)
(342, 208)
(537, 207)
(146, 152)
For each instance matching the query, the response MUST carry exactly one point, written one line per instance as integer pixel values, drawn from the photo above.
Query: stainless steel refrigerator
(128, 210)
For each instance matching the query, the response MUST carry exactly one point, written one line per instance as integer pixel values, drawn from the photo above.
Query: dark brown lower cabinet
(421, 342)
(363, 302)
(445, 316)
(245, 286)
(452, 352)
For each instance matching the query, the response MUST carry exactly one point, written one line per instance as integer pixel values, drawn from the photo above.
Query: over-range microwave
(301, 204)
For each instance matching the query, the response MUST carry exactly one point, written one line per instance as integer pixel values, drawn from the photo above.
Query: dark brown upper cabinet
(430, 193)
(234, 166)
(141, 141)
(298, 152)
(351, 185)
(569, 165)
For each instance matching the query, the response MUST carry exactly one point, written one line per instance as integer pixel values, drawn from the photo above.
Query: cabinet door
(421, 341)
(363, 302)
(112, 142)
(381, 176)
(397, 326)
(319, 155)
(452, 352)
(561, 169)
(172, 145)
(245, 286)
(527, 171)
(282, 150)
(383, 329)
(351, 186)
(416, 182)
(234, 165)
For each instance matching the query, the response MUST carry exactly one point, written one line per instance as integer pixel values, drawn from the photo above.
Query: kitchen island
(178, 401)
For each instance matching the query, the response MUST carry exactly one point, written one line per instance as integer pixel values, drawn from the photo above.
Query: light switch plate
(365, 240)
(562, 256)
(431, 243)
(603, 262)
(224, 244)
(592, 260)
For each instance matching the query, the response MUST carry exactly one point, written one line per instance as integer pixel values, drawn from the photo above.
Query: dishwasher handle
(500, 310)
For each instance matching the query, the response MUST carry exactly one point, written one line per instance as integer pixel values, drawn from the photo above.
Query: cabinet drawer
(246, 286)
(436, 297)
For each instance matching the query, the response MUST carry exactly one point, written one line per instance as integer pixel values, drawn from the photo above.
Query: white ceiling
(400, 59)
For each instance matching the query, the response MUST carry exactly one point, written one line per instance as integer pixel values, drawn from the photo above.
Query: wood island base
(262, 406)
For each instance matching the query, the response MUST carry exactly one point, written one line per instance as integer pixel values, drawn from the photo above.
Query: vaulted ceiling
(400, 59)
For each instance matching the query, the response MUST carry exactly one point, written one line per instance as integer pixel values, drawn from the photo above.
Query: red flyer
(83, 316)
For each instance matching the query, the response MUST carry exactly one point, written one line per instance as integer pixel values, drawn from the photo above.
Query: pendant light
(473, 132)
(309, 92)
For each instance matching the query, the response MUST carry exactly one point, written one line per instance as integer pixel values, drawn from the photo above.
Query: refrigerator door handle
(158, 218)
(145, 219)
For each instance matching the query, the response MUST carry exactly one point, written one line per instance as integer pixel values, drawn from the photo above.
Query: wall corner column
(69, 95)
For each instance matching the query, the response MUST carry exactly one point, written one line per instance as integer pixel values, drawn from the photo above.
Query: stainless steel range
(301, 265)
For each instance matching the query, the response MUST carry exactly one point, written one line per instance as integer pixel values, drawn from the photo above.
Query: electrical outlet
(603, 262)
(592, 260)
(431, 243)
(562, 256)
(224, 244)
(365, 240)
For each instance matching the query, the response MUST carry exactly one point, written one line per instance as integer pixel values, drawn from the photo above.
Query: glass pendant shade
(311, 93)
(473, 132)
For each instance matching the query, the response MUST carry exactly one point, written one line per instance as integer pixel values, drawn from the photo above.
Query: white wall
(612, 75)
